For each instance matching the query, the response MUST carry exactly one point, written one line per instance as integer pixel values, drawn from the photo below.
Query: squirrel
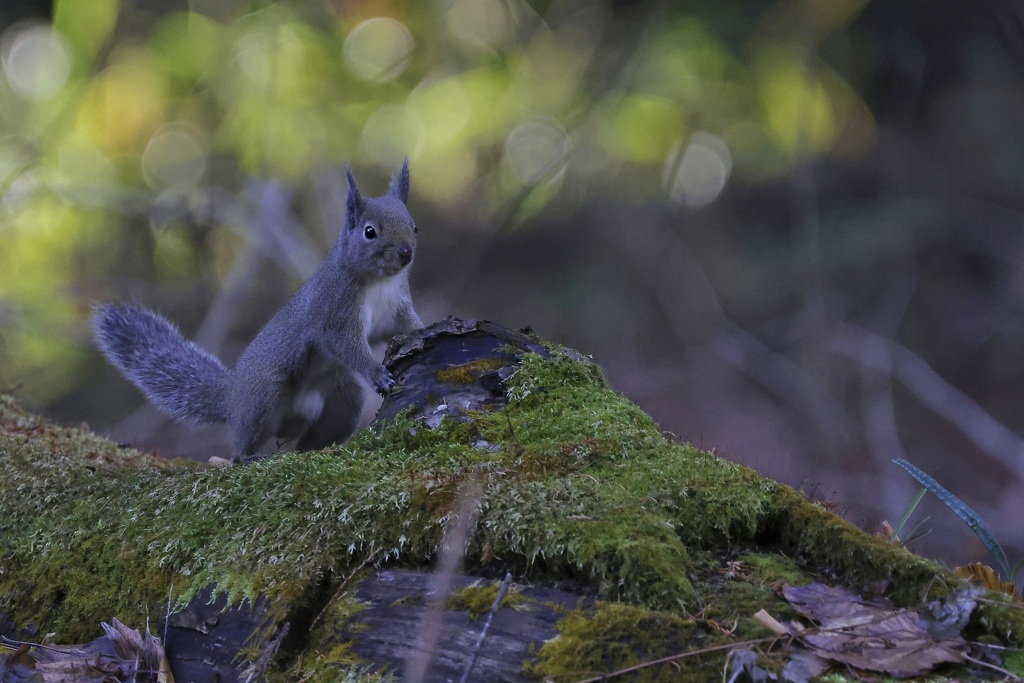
(302, 376)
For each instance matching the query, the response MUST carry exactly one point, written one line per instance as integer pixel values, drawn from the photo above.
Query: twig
(257, 669)
(733, 345)
(1009, 674)
(167, 614)
(878, 406)
(1017, 604)
(480, 641)
(945, 400)
(512, 431)
(61, 650)
(680, 655)
(771, 623)
(268, 206)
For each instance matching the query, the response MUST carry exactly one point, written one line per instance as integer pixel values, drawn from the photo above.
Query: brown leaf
(872, 635)
(986, 576)
(803, 666)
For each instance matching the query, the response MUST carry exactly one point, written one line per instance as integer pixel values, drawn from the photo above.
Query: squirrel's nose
(405, 252)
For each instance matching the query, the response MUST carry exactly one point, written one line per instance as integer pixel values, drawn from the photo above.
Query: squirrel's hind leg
(339, 418)
(258, 417)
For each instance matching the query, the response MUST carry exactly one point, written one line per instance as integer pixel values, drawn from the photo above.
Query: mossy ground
(585, 490)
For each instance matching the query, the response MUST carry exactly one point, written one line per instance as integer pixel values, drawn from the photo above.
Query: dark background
(791, 231)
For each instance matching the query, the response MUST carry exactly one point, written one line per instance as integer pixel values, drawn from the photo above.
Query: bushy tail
(180, 378)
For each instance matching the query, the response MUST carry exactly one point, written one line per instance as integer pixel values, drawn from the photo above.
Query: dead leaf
(803, 666)
(946, 618)
(986, 576)
(744, 663)
(871, 635)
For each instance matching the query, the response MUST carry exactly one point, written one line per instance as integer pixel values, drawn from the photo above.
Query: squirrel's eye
(370, 232)
(415, 228)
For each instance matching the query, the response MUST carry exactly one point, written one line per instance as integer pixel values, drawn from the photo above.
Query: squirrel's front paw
(382, 381)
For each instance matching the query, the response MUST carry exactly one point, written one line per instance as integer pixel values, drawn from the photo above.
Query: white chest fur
(380, 302)
(308, 399)
(308, 403)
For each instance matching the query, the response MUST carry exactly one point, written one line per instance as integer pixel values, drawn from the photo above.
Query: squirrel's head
(379, 235)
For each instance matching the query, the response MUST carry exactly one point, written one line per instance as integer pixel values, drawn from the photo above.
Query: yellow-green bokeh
(506, 109)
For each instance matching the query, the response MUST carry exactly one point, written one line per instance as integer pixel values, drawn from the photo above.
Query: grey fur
(179, 377)
(301, 376)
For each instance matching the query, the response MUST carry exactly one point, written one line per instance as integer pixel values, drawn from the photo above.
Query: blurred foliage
(505, 109)
(789, 229)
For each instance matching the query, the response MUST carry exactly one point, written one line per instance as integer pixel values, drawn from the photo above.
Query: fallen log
(500, 453)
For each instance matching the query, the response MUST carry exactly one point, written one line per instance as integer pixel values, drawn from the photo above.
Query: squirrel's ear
(400, 183)
(353, 202)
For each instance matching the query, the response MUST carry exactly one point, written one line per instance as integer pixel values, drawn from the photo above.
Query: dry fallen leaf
(986, 576)
(871, 635)
(801, 667)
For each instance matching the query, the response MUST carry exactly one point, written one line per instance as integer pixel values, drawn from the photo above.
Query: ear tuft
(353, 201)
(400, 183)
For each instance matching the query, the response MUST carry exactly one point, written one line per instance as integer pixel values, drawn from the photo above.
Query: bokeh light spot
(173, 253)
(253, 53)
(537, 149)
(378, 49)
(36, 61)
(175, 157)
(696, 174)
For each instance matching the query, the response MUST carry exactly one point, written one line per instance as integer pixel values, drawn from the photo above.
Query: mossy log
(509, 453)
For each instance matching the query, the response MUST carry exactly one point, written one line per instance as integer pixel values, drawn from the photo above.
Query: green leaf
(898, 531)
(970, 517)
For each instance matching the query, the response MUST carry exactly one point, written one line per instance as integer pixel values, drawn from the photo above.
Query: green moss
(734, 591)
(612, 637)
(478, 599)
(771, 569)
(859, 558)
(584, 490)
(1002, 616)
(470, 372)
(60, 548)
(1014, 662)
(732, 608)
